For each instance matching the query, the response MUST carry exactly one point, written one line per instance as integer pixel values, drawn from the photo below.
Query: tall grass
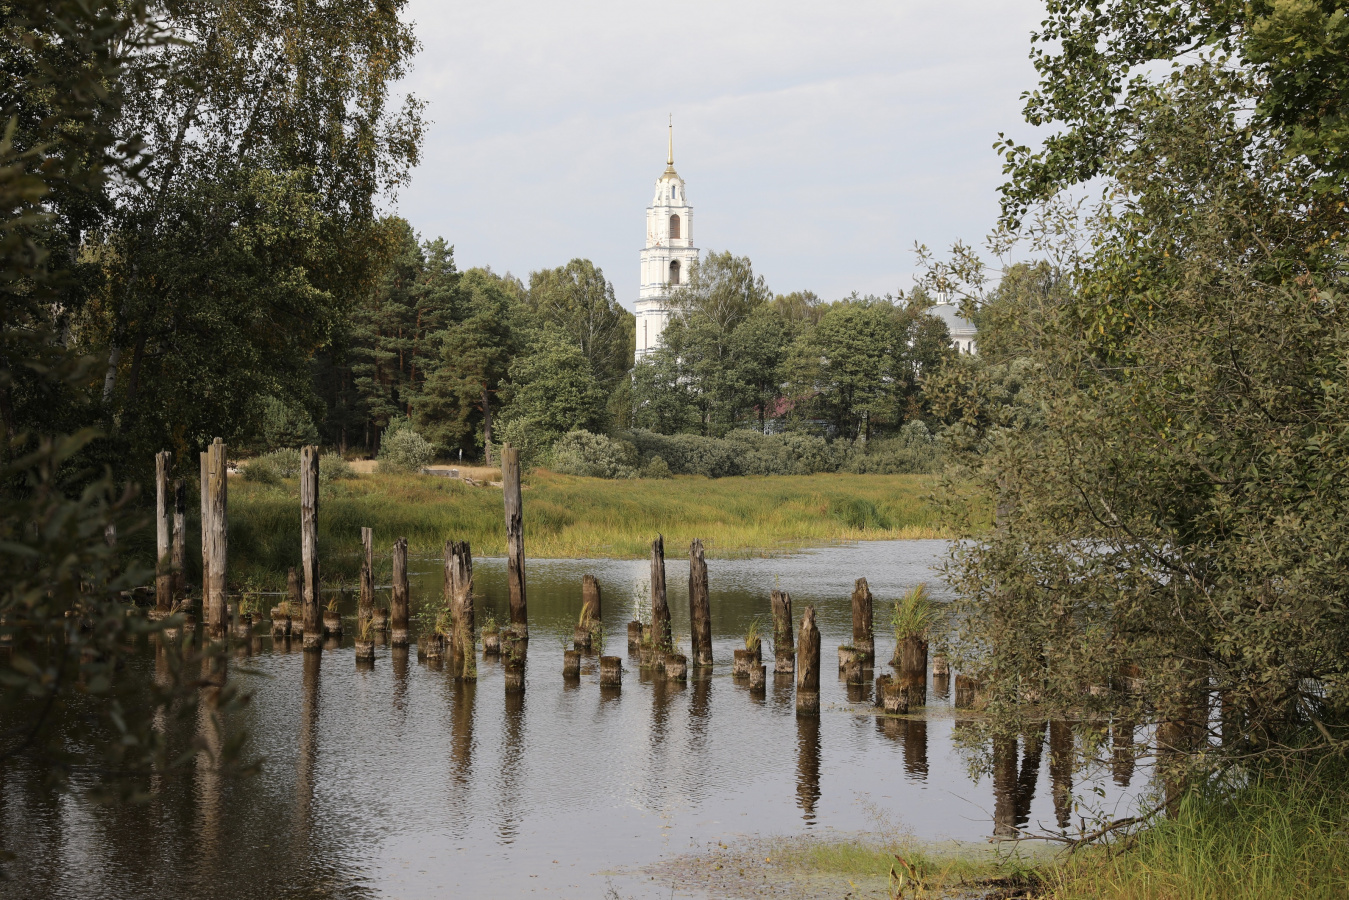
(573, 517)
(1283, 835)
(914, 614)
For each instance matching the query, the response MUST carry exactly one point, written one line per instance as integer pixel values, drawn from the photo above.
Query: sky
(821, 140)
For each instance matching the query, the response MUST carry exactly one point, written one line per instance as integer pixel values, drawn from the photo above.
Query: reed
(1280, 834)
(914, 614)
(573, 517)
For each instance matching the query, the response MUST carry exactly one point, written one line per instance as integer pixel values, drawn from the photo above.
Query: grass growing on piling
(572, 517)
(1284, 834)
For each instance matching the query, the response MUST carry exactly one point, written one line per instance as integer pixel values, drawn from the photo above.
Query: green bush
(739, 453)
(655, 467)
(593, 455)
(914, 451)
(333, 467)
(402, 449)
(271, 468)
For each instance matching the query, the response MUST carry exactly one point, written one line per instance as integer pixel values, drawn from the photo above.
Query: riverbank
(572, 517)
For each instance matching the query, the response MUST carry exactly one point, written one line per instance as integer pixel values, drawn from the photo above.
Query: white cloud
(821, 140)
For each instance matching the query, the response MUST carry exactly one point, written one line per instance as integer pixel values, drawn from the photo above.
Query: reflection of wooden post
(1061, 771)
(661, 635)
(218, 539)
(365, 607)
(179, 562)
(808, 665)
(590, 600)
(700, 607)
(1004, 787)
(309, 546)
(783, 649)
(515, 538)
(163, 534)
(862, 637)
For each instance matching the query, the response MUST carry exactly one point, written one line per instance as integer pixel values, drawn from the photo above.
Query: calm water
(398, 781)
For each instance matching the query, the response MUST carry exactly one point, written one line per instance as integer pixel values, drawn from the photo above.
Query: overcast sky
(819, 139)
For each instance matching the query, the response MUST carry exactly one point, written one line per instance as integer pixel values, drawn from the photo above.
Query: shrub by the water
(739, 453)
(402, 449)
(914, 451)
(593, 455)
(655, 467)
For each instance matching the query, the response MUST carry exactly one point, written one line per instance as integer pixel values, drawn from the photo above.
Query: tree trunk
(515, 539)
(218, 543)
(309, 546)
(661, 634)
(700, 607)
(163, 534)
(808, 665)
(862, 637)
(365, 608)
(783, 649)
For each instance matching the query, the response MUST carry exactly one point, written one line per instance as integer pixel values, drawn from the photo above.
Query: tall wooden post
(862, 637)
(515, 539)
(400, 583)
(661, 635)
(365, 607)
(459, 594)
(590, 600)
(218, 539)
(784, 650)
(309, 546)
(700, 607)
(163, 534)
(205, 503)
(179, 562)
(808, 665)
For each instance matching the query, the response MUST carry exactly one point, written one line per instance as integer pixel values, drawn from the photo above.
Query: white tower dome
(668, 256)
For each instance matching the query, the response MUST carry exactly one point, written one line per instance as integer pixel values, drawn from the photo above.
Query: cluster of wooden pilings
(455, 637)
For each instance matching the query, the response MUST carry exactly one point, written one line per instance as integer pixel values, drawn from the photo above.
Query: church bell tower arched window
(674, 271)
(674, 227)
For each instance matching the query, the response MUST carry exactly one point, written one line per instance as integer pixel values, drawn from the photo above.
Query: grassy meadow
(572, 517)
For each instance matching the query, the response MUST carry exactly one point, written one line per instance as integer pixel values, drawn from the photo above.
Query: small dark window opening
(674, 226)
(674, 271)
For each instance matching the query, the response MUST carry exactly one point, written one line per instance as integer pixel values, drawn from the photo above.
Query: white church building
(668, 256)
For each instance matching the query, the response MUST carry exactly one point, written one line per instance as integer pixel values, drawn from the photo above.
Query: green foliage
(753, 635)
(286, 424)
(554, 389)
(593, 455)
(913, 450)
(739, 453)
(656, 467)
(915, 614)
(577, 302)
(403, 449)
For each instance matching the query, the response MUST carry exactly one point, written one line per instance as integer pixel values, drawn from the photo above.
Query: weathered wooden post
(163, 535)
(400, 580)
(808, 665)
(966, 688)
(295, 596)
(783, 649)
(912, 653)
(218, 539)
(590, 612)
(661, 635)
(205, 504)
(179, 564)
(515, 539)
(700, 607)
(758, 678)
(365, 607)
(676, 667)
(571, 664)
(634, 635)
(309, 546)
(459, 596)
(611, 671)
(862, 637)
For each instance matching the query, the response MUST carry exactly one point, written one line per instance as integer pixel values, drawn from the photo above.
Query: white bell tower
(668, 256)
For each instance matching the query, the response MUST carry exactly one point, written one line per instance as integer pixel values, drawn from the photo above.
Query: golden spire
(670, 159)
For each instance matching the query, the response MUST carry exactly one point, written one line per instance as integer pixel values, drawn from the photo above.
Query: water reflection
(1061, 771)
(807, 766)
(509, 800)
(1122, 751)
(461, 745)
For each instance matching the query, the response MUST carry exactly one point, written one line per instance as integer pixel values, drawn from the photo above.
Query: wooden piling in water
(808, 665)
(634, 635)
(700, 607)
(309, 546)
(966, 688)
(571, 663)
(862, 636)
(661, 635)
(854, 670)
(163, 535)
(611, 671)
(217, 544)
(204, 503)
(459, 598)
(365, 607)
(399, 599)
(784, 650)
(515, 538)
(591, 611)
(676, 667)
(178, 565)
(912, 663)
